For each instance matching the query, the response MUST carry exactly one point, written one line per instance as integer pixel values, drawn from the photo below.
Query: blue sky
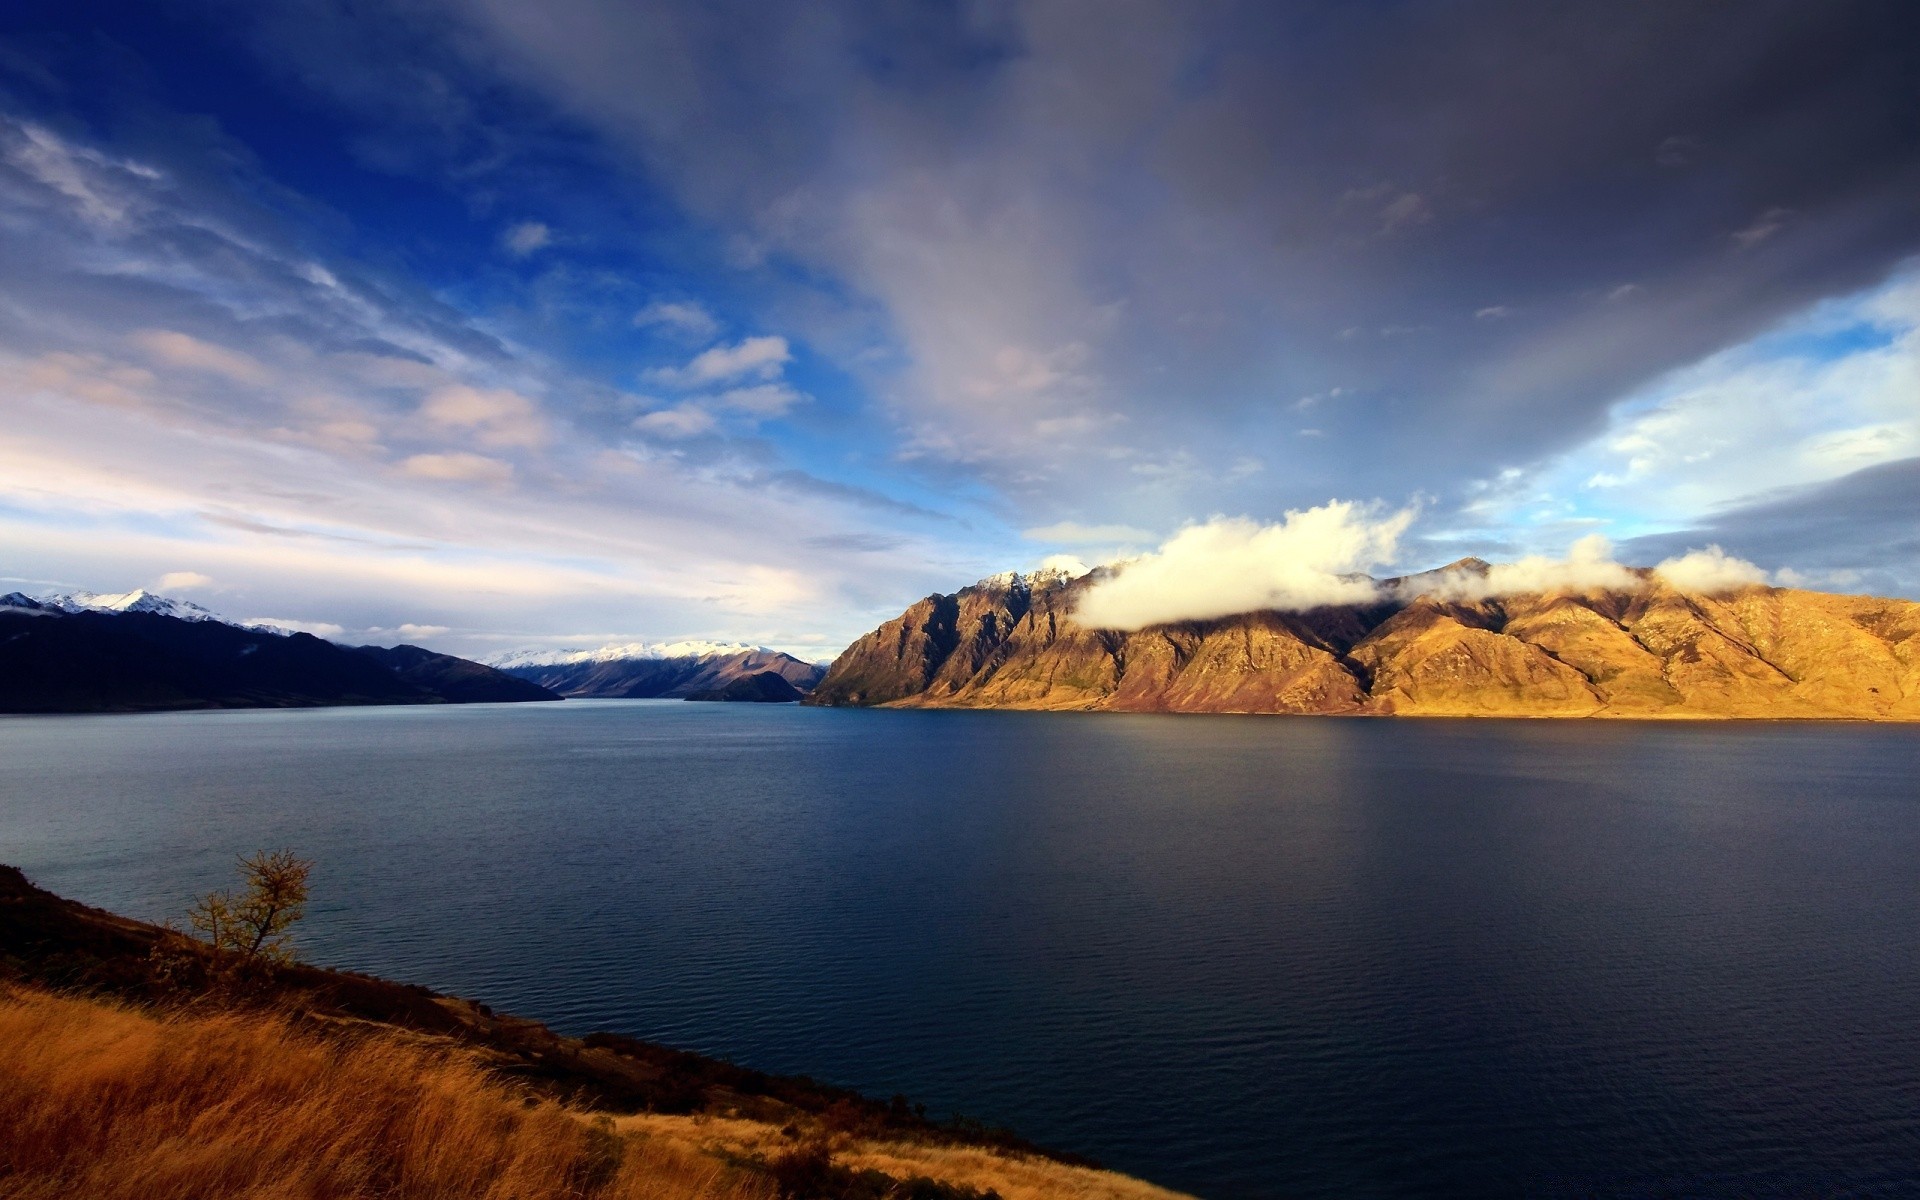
(492, 325)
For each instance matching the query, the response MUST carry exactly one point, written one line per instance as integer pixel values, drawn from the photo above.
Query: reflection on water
(1244, 956)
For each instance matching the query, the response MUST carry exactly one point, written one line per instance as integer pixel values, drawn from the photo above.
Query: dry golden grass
(107, 1102)
(1014, 1177)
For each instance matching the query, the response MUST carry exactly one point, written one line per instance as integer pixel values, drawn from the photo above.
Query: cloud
(1068, 565)
(1233, 565)
(97, 183)
(183, 581)
(762, 399)
(1855, 533)
(763, 357)
(180, 350)
(1763, 227)
(499, 417)
(1817, 398)
(1709, 572)
(1403, 212)
(1675, 150)
(525, 238)
(1589, 566)
(1075, 532)
(422, 631)
(319, 629)
(681, 421)
(684, 316)
(458, 467)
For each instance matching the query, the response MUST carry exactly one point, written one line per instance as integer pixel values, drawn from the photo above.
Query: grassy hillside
(107, 1101)
(133, 1063)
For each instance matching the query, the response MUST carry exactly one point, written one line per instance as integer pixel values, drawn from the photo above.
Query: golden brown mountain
(1645, 651)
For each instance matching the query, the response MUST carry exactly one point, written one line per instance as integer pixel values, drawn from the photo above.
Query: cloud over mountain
(1229, 565)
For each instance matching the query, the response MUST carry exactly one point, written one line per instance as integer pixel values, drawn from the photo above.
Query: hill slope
(1649, 651)
(137, 1066)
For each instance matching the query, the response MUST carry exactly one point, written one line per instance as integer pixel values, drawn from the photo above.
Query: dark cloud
(1856, 533)
(1036, 259)
(1157, 232)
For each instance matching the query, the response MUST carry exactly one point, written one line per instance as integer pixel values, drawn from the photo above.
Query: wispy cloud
(525, 238)
(755, 357)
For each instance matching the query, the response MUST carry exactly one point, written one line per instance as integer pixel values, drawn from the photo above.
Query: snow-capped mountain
(137, 601)
(620, 652)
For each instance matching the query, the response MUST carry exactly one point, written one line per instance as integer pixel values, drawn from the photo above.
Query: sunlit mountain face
(500, 327)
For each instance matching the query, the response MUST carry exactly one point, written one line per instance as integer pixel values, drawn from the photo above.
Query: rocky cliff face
(1651, 651)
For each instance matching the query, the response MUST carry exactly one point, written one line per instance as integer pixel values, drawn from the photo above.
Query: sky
(488, 325)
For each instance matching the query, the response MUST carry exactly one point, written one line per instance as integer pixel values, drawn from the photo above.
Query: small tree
(254, 924)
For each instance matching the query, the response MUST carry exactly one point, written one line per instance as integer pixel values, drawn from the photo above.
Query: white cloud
(761, 399)
(1833, 580)
(422, 631)
(458, 467)
(685, 317)
(1234, 564)
(761, 357)
(525, 238)
(1709, 572)
(1589, 566)
(181, 350)
(1075, 532)
(95, 182)
(498, 416)
(681, 421)
(1763, 227)
(1064, 564)
(182, 581)
(1826, 394)
(1404, 211)
(319, 629)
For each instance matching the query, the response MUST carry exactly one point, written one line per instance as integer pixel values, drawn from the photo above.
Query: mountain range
(681, 670)
(136, 652)
(1425, 647)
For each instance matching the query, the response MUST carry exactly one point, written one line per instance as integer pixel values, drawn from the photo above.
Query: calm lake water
(1240, 956)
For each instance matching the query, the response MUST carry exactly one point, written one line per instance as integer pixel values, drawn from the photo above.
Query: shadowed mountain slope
(705, 676)
(54, 660)
(1649, 651)
(458, 680)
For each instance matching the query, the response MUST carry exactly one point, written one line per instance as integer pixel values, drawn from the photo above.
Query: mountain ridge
(144, 658)
(762, 674)
(1646, 650)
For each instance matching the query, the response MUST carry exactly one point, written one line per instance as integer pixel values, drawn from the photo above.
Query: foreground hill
(56, 657)
(752, 673)
(1646, 651)
(137, 1066)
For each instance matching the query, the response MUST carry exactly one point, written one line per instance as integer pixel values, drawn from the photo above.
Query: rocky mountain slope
(58, 658)
(1646, 651)
(748, 673)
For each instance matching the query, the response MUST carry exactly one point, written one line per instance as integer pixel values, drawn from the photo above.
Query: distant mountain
(136, 601)
(456, 680)
(623, 652)
(1649, 650)
(61, 654)
(764, 687)
(707, 673)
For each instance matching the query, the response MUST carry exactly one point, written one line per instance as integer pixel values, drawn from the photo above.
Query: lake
(1242, 956)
